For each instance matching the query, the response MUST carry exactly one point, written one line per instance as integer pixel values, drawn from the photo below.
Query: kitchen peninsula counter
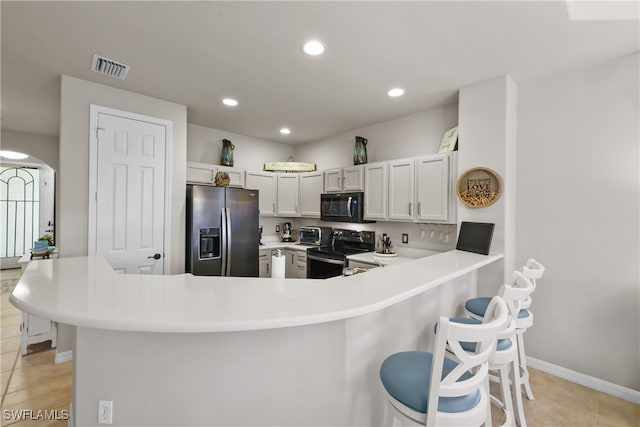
(186, 350)
(85, 291)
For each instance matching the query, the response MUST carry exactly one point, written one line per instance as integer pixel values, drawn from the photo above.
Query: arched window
(19, 209)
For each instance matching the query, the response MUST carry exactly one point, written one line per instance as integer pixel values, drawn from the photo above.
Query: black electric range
(329, 261)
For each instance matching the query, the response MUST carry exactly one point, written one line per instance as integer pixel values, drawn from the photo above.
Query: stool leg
(523, 370)
(507, 399)
(516, 385)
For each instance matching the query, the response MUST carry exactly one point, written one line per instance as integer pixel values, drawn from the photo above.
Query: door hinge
(97, 131)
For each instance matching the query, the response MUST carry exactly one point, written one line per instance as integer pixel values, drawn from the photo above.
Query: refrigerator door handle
(229, 241)
(223, 232)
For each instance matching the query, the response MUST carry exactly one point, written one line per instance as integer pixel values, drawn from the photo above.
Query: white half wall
(579, 214)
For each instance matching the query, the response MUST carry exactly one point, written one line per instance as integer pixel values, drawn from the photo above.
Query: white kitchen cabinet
(266, 184)
(205, 173)
(290, 269)
(264, 263)
(435, 192)
(311, 187)
(200, 173)
(236, 176)
(375, 191)
(344, 179)
(422, 189)
(287, 197)
(401, 190)
(301, 264)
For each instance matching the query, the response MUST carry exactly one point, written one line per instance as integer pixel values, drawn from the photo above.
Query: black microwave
(342, 207)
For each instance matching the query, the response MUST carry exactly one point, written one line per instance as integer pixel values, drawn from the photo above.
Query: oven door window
(323, 268)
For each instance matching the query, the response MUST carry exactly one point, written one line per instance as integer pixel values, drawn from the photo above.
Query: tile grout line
(13, 367)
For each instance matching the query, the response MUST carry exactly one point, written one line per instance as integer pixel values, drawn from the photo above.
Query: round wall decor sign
(479, 187)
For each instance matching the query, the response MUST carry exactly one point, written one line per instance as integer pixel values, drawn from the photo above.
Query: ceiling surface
(196, 53)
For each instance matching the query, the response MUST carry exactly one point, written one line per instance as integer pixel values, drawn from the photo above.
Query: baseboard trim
(65, 356)
(586, 380)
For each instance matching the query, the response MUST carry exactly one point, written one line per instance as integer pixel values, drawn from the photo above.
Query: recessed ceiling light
(396, 92)
(285, 131)
(313, 48)
(13, 155)
(230, 102)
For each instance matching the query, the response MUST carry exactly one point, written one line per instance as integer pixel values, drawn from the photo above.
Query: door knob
(155, 256)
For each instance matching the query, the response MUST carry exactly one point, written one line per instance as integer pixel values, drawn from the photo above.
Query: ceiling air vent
(108, 67)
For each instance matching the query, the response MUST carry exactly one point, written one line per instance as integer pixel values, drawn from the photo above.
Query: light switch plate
(405, 238)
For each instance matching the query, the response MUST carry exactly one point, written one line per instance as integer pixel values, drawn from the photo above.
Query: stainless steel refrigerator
(222, 231)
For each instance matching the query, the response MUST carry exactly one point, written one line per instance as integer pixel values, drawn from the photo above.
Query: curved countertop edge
(158, 326)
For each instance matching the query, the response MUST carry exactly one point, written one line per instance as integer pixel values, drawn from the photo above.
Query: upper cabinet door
(311, 185)
(346, 179)
(287, 204)
(375, 191)
(200, 173)
(353, 178)
(333, 180)
(432, 188)
(401, 190)
(266, 185)
(236, 176)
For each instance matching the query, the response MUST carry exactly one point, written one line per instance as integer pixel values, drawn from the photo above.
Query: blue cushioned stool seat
(406, 375)
(478, 306)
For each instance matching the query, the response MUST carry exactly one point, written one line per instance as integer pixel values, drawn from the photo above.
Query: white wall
(205, 144)
(42, 147)
(487, 138)
(578, 213)
(76, 96)
(408, 136)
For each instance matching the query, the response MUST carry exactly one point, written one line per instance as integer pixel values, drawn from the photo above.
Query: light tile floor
(35, 382)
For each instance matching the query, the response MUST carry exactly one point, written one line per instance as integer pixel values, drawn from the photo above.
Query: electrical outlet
(277, 228)
(405, 238)
(105, 412)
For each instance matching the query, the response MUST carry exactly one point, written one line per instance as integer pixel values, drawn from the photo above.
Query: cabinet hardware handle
(410, 210)
(267, 268)
(419, 208)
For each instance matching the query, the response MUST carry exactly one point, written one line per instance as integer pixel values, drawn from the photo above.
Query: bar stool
(476, 307)
(505, 359)
(460, 395)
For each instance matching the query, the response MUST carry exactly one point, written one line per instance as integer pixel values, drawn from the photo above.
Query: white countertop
(284, 245)
(404, 255)
(85, 291)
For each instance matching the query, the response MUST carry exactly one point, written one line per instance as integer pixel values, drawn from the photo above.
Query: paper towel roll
(278, 266)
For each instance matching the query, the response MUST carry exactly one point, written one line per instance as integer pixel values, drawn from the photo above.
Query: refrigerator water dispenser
(209, 243)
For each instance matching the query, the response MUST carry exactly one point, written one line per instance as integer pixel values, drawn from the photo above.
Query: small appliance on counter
(286, 232)
(316, 236)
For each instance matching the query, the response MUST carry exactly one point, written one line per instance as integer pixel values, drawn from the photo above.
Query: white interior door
(130, 192)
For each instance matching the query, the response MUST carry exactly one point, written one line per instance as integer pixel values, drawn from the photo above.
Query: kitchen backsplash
(435, 237)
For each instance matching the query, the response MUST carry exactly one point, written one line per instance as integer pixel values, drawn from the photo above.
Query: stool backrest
(515, 297)
(472, 370)
(532, 270)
